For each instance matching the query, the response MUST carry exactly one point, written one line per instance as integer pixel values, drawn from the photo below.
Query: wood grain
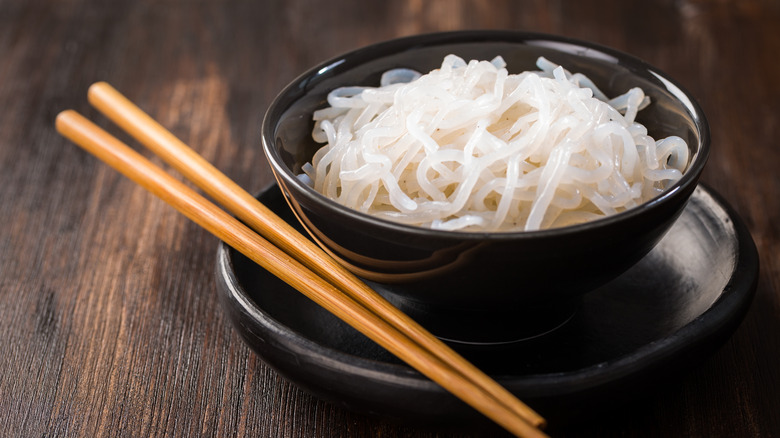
(108, 318)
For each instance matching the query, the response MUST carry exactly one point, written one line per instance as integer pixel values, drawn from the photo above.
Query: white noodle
(470, 147)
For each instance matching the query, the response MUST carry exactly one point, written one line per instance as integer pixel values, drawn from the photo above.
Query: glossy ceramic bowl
(483, 279)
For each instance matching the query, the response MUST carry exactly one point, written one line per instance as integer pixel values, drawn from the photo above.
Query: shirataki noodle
(471, 147)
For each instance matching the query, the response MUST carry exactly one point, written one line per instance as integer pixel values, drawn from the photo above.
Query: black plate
(662, 317)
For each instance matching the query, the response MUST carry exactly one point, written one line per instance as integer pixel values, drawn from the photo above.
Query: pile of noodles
(471, 147)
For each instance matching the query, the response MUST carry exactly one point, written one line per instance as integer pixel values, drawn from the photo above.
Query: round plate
(663, 316)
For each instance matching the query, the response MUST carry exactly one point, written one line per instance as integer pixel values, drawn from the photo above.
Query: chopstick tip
(63, 118)
(99, 84)
(97, 88)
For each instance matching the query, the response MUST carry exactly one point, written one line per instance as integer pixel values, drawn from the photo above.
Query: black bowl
(474, 279)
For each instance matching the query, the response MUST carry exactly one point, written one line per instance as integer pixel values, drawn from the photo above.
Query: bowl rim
(586, 49)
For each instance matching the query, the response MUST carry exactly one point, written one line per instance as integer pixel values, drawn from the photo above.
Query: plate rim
(715, 324)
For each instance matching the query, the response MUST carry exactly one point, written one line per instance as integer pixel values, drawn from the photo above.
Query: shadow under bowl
(471, 279)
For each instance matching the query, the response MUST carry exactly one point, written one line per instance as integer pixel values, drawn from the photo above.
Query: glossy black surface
(477, 274)
(647, 327)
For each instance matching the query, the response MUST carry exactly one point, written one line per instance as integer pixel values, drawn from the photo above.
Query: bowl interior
(288, 125)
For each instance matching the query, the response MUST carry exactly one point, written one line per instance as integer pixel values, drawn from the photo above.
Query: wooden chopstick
(230, 230)
(239, 202)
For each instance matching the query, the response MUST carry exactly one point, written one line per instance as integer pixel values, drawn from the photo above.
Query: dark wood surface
(109, 322)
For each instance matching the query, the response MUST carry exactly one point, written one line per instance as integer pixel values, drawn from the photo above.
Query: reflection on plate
(662, 317)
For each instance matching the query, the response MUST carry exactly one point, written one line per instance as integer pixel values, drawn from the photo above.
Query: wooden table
(109, 322)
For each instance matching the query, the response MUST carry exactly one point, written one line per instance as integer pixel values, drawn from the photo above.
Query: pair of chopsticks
(284, 252)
